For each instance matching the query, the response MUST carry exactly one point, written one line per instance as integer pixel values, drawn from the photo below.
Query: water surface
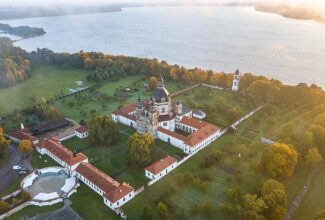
(218, 38)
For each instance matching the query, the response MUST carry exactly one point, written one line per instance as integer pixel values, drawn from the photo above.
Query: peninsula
(22, 31)
(301, 12)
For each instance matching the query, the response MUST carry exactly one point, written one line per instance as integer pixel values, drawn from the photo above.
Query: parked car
(22, 172)
(16, 167)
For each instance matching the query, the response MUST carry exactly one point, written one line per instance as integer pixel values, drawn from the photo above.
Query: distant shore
(294, 12)
(32, 12)
(22, 31)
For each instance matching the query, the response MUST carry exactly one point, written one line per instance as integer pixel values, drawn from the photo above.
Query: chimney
(74, 153)
(22, 126)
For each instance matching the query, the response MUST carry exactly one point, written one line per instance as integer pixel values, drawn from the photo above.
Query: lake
(218, 38)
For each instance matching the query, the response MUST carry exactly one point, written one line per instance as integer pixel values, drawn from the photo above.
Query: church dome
(161, 95)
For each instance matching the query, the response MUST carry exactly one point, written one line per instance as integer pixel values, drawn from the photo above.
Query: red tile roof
(159, 166)
(113, 190)
(170, 133)
(119, 192)
(82, 129)
(192, 122)
(55, 147)
(162, 118)
(131, 117)
(23, 134)
(97, 177)
(125, 110)
(200, 135)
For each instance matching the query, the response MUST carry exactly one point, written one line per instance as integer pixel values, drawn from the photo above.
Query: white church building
(161, 117)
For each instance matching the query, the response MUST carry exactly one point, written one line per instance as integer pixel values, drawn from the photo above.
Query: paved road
(296, 202)
(7, 174)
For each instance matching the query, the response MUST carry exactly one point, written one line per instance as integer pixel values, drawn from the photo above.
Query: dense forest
(22, 31)
(14, 64)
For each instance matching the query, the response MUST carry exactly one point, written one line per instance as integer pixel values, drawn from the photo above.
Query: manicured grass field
(46, 81)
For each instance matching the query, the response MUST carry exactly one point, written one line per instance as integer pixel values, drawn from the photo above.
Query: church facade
(160, 117)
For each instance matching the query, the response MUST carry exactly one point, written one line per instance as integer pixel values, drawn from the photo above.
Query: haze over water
(218, 38)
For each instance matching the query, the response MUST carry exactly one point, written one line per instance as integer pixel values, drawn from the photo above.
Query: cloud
(316, 3)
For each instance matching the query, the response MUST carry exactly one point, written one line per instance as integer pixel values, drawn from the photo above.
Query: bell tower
(236, 81)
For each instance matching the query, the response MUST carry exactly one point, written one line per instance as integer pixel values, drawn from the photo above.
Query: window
(165, 124)
(117, 203)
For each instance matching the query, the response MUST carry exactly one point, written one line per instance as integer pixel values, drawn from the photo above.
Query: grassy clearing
(31, 211)
(89, 205)
(203, 96)
(46, 81)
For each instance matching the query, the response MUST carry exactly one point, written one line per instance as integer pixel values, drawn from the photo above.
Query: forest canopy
(14, 64)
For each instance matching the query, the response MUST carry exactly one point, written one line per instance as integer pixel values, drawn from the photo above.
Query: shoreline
(44, 14)
(287, 11)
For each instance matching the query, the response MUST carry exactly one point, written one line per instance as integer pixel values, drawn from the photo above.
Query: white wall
(172, 140)
(120, 202)
(162, 173)
(123, 120)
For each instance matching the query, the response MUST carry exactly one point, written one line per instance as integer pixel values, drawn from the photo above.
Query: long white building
(114, 193)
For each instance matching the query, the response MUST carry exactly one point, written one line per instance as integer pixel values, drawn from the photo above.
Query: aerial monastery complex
(161, 117)
(171, 122)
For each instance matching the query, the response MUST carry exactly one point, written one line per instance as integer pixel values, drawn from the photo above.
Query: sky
(316, 3)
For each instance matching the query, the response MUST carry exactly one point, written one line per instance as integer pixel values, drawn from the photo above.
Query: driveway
(7, 174)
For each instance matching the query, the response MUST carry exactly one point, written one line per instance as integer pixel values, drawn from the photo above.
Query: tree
(139, 149)
(252, 202)
(320, 215)
(25, 146)
(3, 144)
(275, 197)
(4, 206)
(103, 130)
(279, 160)
(162, 209)
(146, 212)
(318, 136)
(153, 83)
(313, 157)
(252, 215)
(25, 195)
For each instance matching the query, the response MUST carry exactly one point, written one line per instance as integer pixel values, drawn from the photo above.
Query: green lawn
(31, 211)
(203, 96)
(89, 205)
(46, 81)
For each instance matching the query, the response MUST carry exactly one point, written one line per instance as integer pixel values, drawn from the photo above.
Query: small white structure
(161, 168)
(82, 132)
(199, 114)
(236, 81)
(43, 193)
